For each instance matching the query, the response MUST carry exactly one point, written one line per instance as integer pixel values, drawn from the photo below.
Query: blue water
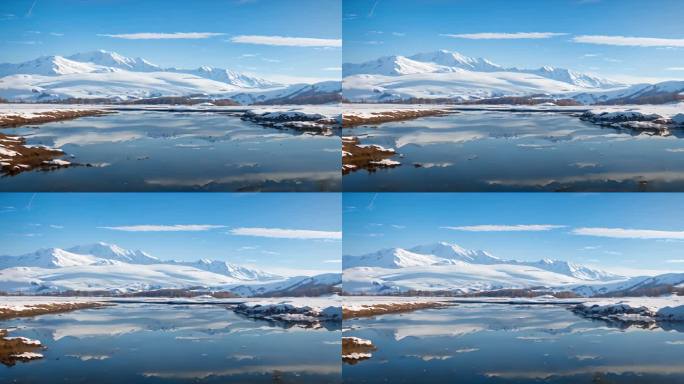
(490, 343)
(152, 343)
(504, 151)
(170, 151)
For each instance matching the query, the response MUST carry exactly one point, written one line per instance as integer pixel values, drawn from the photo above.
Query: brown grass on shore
(46, 117)
(355, 156)
(27, 158)
(351, 120)
(383, 309)
(43, 309)
(12, 349)
(355, 349)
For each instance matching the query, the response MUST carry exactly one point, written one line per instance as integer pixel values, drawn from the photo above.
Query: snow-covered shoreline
(307, 311)
(639, 310)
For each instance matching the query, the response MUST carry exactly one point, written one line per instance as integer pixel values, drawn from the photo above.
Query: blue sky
(32, 28)
(621, 232)
(286, 233)
(585, 35)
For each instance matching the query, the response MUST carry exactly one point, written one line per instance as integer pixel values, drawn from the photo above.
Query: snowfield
(107, 267)
(450, 75)
(448, 267)
(111, 76)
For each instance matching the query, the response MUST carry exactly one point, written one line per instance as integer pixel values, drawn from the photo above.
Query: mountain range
(108, 267)
(451, 76)
(448, 267)
(110, 76)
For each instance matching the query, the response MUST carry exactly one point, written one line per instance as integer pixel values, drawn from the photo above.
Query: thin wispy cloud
(398, 34)
(163, 36)
(628, 41)
(623, 233)
(56, 34)
(282, 233)
(675, 261)
(332, 69)
(30, 10)
(336, 261)
(675, 69)
(372, 10)
(165, 228)
(506, 228)
(286, 41)
(504, 36)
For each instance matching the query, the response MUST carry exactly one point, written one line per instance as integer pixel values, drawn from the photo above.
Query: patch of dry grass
(383, 309)
(46, 117)
(351, 120)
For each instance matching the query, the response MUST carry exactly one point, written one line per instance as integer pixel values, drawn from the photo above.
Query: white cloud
(333, 261)
(287, 41)
(496, 35)
(56, 34)
(332, 69)
(398, 34)
(56, 226)
(506, 228)
(675, 261)
(282, 233)
(622, 233)
(675, 69)
(156, 36)
(165, 228)
(629, 41)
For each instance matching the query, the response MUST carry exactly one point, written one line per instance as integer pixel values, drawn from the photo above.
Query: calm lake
(172, 151)
(494, 343)
(157, 343)
(505, 151)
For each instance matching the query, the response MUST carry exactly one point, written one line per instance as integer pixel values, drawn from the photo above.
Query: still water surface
(494, 343)
(171, 151)
(152, 343)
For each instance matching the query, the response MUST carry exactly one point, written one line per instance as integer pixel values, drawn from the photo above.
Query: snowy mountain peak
(390, 258)
(442, 253)
(455, 252)
(456, 60)
(48, 66)
(115, 60)
(47, 258)
(114, 252)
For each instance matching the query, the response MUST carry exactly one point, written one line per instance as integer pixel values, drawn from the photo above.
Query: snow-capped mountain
(659, 93)
(390, 258)
(448, 251)
(50, 66)
(48, 258)
(107, 267)
(635, 286)
(229, 77)
(115, 60)
(111, 76)
(294, 286)
(456, 60)
(391, 66)
(451, 75)
(448, 267)
(229, 269)
(106, 251)
(571, 77)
